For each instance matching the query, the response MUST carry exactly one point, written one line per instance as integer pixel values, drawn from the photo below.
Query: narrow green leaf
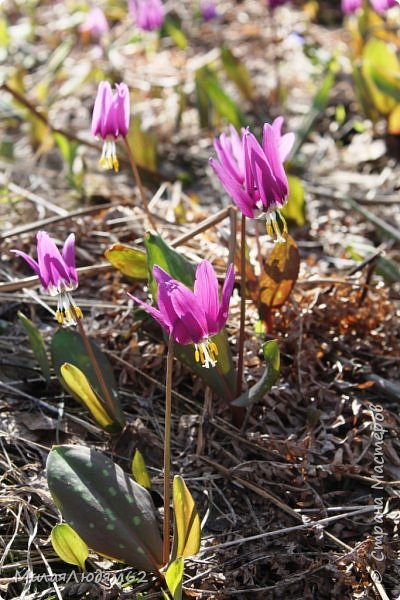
(68, 347)
(69, 546)
(113, 514)
(237, 72)
(268, 378)
(174, 578)
(221, 102)
(187, 532)
(80, 388)
(37, 344)
(130, 261)
(172, 27)
(294, 210)
(139, 470)
(386, 81)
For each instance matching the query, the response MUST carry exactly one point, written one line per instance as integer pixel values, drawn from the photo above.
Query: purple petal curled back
(160, 275)
(285, 145)
(226, 297)
(46, 250)
(101, 109)
(156, 314)
(31, 262)
(239, 196)
(206, 292)
(271, 141)
(68, 254)
(187, 309)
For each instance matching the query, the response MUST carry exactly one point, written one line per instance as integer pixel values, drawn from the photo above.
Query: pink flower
(192, 317)
(275, 3)
(95, 23)
(208, 10)
(147, 14)
(381, 6)
(253, 174)
(110, 120)
(57, 273)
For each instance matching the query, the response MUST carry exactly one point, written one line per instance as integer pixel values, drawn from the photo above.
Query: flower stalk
(240, 365)
(167, 451)
(139, 183)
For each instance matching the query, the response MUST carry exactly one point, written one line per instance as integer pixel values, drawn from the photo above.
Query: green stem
(139, 183)
(167, 451)
(103, 386)
(242, 305)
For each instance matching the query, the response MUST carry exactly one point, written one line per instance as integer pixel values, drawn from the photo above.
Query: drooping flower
(253, 174)
(147, 14)
(110, 120)
(95, 23)
(380, 6)
(57, 273)
(193, 317)
(208, 10)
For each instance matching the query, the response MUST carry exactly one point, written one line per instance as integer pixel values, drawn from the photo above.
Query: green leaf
(224, 106)
(385, 267)
(268, 379)
(37, 344)
(69, 546)
(68, 347)
(221, 378)
(113, 514)
(237, 72)
(174, 578)
(294, 210)
(4, 33)
(386, 81)
(130, 261)
(79, 387)
(375, 54)
(172, 27)
(143, 143)
(187, 531)
(139, 470)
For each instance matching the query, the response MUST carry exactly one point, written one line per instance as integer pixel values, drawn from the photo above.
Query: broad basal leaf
(113, 514)
(130, 261)
(69, 546)
(139, 470)
(174, 578)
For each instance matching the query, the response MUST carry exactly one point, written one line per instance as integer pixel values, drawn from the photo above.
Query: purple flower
(57, 273)
(95, 23)
(147, 14)
(253, 174)
(274, 3)
(350, 6)
(110, 120)
(381, 6)
(192, 317)
(208, 10)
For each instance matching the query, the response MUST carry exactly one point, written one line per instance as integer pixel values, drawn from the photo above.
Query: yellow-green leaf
(139, 470)
(294, 210)
(130, 261)
(80, 388)
(69, 546)
(187, 531)
(237, 72)
(174, 578)
(377, 53)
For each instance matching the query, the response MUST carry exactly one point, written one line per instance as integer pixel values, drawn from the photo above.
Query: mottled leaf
(67, 346)
(113, 514)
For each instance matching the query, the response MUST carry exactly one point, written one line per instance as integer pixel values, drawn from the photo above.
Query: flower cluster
(193, 317)
(253, 173)
(147, 14)
(380, 6)
(57, 273)
(111, 120)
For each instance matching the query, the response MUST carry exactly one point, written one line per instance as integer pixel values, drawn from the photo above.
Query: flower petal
(122, 108)
(206, 292)
(31, 261)
(226, 297)
(156, 314)
(239, 196)
(101, 109)
(68, 254)
(186, 307)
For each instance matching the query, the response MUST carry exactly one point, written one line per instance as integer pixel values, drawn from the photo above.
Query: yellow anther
(60, 317)
(197, 355)
(213, 348)
(78, 312)
(202, 358)
(115, 164)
